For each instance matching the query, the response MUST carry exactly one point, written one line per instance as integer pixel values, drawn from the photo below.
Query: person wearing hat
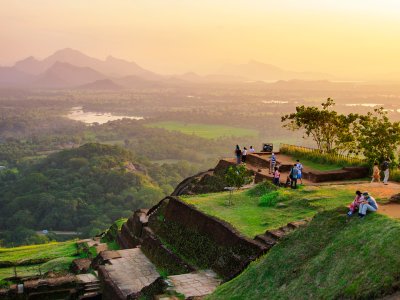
(368, 204)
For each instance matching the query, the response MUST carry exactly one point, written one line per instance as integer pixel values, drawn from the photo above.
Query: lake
(76, 113)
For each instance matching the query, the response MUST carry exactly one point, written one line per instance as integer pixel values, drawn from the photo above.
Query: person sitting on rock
(368, 204)
(355, 204)
(252, 150)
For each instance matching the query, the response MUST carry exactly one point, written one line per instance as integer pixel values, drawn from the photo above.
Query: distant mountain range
(69, 68)
(257, 71)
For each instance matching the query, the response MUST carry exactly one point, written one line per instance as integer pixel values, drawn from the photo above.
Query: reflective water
(89, 117)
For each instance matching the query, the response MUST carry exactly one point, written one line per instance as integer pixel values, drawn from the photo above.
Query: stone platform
(128, 275)
(196, 284)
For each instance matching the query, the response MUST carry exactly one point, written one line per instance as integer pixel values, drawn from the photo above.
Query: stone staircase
(91, 286)
(131, 273)
(271, 237)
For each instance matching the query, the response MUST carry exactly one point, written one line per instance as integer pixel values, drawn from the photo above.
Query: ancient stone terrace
(259, 164)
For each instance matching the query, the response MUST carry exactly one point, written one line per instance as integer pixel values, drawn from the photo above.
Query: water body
(76, 113)
(365, 104)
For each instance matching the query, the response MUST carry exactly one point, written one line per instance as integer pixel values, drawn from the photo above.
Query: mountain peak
(67, 55)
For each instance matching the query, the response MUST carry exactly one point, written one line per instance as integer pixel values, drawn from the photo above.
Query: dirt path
(391, 210)
(382, 193)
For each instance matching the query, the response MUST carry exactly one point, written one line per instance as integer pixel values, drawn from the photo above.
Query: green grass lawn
(42, 251)
(204, 130)
(52, 256)
(250, 218)
(328, 259)
(318, 166)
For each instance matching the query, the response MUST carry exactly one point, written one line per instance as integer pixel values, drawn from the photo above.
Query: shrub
(262, 189)
(317, 156)
(4, 284)
(395, 175)
(270, 199)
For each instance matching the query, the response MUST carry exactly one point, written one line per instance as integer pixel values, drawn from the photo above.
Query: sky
(348, 38)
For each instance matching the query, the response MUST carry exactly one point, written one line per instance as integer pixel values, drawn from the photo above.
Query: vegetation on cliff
(329, 259)
(83, 189)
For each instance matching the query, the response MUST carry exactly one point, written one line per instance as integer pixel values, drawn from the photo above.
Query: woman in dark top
(238, 154)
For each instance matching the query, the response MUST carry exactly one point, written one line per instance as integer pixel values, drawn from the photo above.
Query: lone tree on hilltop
(236, 177)
(372, 135)
(376, 136)
(326, 127)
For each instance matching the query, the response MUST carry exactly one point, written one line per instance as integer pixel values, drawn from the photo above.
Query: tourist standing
(299, 167)
(368, 204)
(272, 163)
(277, 176)
(376, 173)
(238, 154)
(251, 150)
(244, 154)
(293, 176)
(385, 169)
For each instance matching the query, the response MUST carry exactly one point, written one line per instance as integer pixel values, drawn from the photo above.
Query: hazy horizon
(356, 40)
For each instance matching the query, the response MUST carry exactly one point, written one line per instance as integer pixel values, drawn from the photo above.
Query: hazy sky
(350, 37)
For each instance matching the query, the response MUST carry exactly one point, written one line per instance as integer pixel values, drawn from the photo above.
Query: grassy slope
(50, 251)
(251, 219)
(58, 255)
(329, 259)
(204, 130)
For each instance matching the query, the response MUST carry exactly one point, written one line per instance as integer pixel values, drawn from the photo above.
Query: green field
(319, 166)
(205, 130)
(249, 216)
(331, 258)
(36, 259)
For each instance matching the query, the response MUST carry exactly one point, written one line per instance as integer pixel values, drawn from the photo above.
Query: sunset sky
(353, 38)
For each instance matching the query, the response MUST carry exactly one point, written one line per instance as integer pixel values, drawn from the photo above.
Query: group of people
(363, 202)
(376, 172)
(241, 155)
(296, 173)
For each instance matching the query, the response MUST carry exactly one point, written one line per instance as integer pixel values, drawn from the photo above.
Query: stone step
(93, 289)
(297, 224)
(90, 284)
(266, 240)
(90, 295)
(275, 234)
(286, 229)
(87, 278)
